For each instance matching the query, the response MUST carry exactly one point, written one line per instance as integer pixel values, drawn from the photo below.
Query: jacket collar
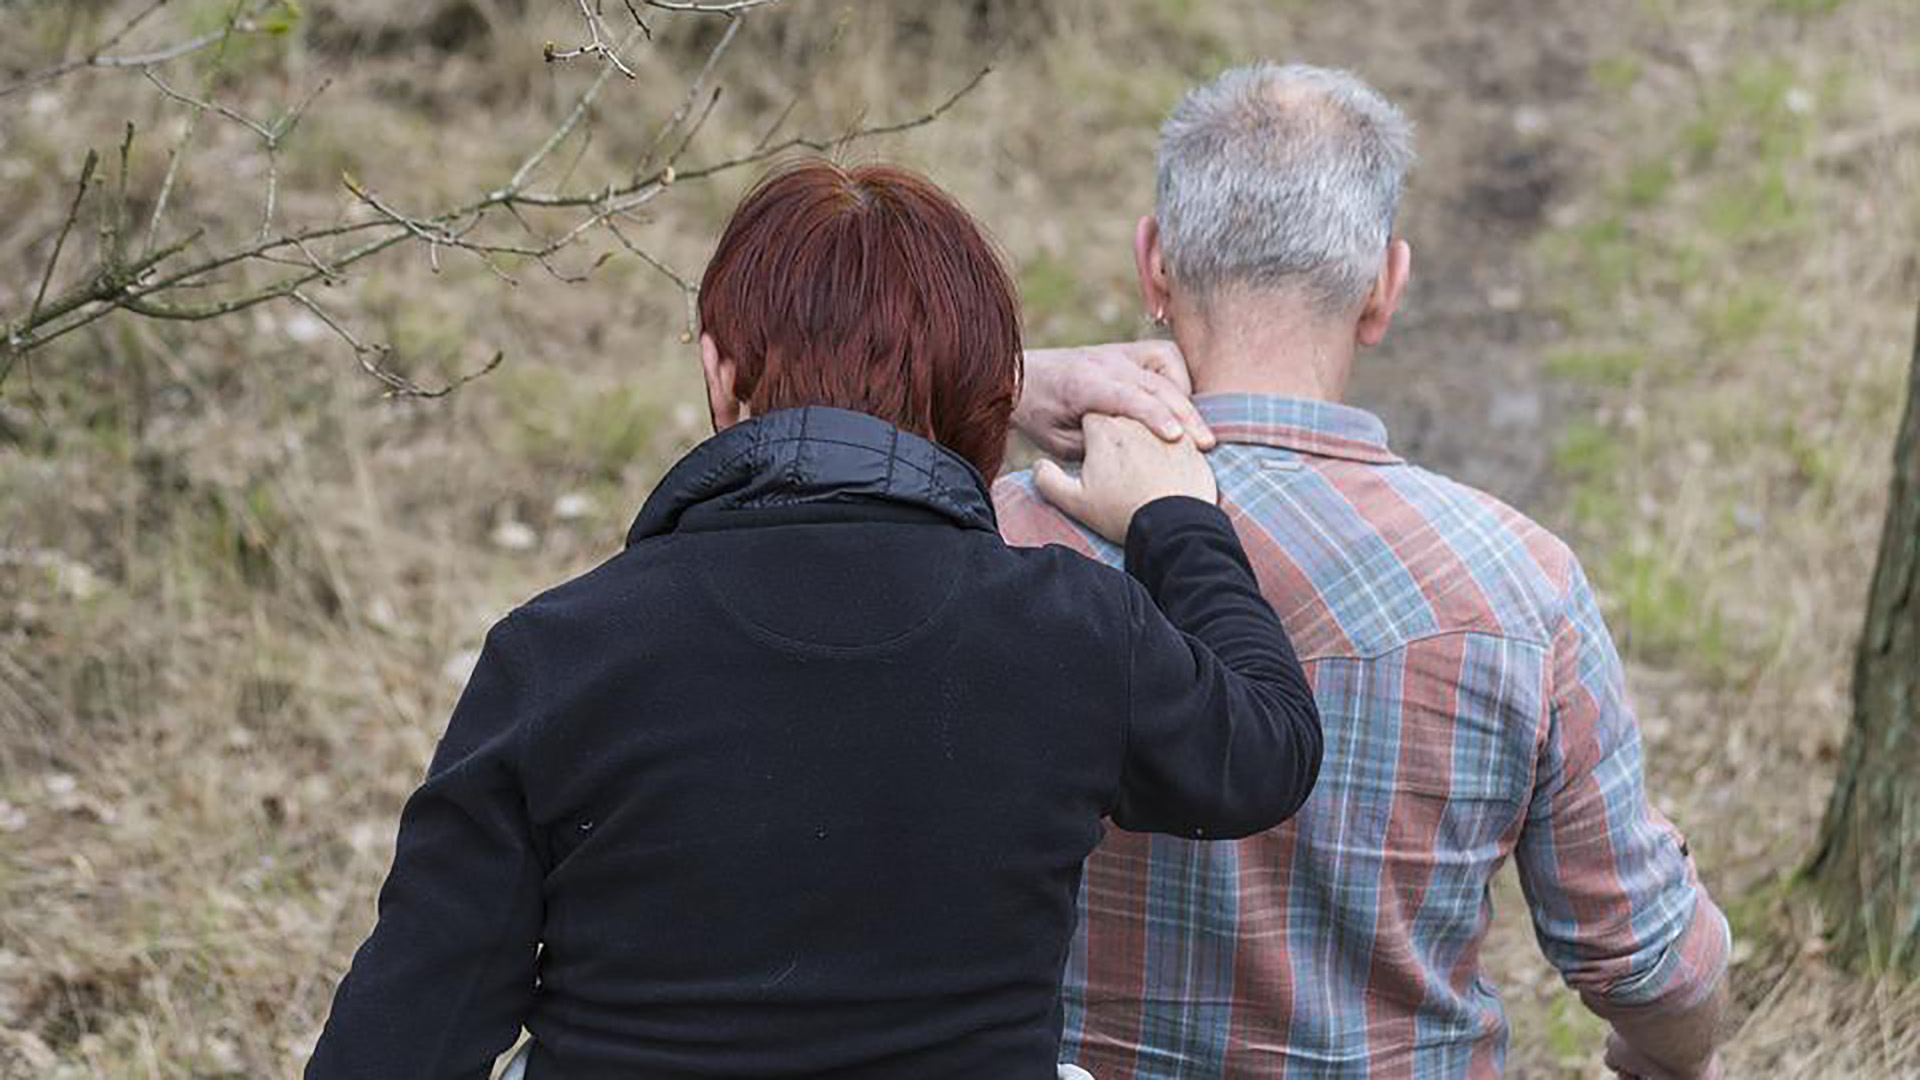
(815, 456)
(1318, 428)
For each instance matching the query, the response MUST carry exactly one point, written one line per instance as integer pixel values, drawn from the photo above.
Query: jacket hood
(816, 455)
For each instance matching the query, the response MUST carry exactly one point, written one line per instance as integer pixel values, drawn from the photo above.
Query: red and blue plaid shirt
(1474, 708)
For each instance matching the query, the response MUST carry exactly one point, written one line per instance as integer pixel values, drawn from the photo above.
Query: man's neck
(1275, 349)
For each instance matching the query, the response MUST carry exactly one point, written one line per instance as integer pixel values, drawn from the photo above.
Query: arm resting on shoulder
(1224, 737)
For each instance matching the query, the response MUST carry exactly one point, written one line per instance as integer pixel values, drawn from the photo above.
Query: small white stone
(305, 328)
(364, 837)
(61, 784)
(225, 1055)
(1798, 100)
(12, 818)
(1529, 120)
(573, 506)
(459, 667)
(381, 614)
(515, 536)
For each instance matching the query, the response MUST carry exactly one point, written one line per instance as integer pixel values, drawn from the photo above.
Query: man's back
(1472, 708)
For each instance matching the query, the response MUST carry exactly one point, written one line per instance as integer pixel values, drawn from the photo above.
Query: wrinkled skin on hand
(1126, 468)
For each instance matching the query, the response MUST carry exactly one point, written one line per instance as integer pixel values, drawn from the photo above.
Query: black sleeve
(441, 986)
(1223, 736)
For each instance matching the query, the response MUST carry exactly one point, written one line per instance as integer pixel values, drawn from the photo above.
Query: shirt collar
(1320, 428)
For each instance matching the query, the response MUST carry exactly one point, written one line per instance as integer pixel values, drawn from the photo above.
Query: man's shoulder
(1395, 552)
(1468, 509)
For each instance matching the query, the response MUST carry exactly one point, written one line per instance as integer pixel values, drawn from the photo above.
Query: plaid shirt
(1474, 708)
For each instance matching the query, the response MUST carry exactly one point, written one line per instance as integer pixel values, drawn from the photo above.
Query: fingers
(1162, 371)
(1176, 401)
(1136, 400)
(1064, 492)
(1164, 359)
(1067, 444)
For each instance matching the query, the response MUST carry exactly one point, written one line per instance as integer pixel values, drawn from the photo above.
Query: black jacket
(800, 783)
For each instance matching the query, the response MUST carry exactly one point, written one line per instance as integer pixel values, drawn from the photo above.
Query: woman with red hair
(799, 784)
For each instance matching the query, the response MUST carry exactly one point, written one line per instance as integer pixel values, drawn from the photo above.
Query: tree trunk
(1867, 869)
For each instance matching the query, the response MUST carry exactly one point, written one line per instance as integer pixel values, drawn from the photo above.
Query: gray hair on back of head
(1281, 176)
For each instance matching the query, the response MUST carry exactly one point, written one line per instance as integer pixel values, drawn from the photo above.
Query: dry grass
(239, 591)
(1740, 288)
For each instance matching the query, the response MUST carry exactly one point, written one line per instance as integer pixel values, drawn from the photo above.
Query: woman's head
(868, 289)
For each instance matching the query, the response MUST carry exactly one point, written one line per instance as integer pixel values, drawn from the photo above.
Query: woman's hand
(1127, 467)
(1146, 380)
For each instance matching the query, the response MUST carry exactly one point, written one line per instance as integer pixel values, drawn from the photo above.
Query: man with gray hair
(1473, 703)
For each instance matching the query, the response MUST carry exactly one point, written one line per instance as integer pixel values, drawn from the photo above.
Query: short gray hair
(1278, 176)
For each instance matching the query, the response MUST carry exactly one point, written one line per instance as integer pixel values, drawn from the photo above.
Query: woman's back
(822, 798)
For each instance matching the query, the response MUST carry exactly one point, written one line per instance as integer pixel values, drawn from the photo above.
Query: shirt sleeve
(1223, 737)
(441, 986)
(1617, 905)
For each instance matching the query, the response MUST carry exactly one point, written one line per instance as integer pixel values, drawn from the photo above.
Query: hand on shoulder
(1127, 466)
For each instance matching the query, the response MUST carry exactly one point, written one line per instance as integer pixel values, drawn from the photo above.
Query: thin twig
(597, 45)
(694, 90)
(689, 292)
(98, 57)
(113, 225)
(59, 244)
(397, 384)
(574, 116)
(730, 10)
(178, 154)
(277, 134)
(638, 21)
(778, 123)
(203, 105)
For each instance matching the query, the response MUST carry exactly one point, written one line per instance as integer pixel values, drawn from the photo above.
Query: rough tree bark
(1867, 869)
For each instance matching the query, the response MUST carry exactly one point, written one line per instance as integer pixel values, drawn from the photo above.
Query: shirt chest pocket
(1451, 719)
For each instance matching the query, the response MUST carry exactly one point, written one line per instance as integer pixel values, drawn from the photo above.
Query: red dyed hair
(868, 289)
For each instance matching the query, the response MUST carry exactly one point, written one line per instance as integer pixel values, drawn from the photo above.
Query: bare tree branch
(98, 57)
(170, 281)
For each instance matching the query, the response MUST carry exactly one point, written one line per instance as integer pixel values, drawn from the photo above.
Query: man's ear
(725, 408)
(1384, 299)
(1152, 266)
